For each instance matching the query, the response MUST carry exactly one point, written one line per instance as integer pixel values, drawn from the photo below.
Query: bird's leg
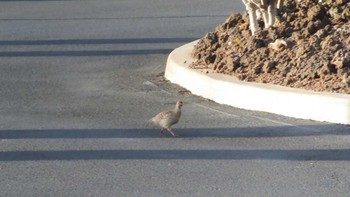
(161, 132)
(169, 129)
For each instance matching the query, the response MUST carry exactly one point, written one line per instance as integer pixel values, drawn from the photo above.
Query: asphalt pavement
(79, 80)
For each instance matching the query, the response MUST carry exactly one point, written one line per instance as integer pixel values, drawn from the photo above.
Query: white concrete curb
(297, 103)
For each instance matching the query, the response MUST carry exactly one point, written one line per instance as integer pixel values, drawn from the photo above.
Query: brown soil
(309, 47)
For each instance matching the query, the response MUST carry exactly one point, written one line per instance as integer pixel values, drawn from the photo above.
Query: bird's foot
(172, 133)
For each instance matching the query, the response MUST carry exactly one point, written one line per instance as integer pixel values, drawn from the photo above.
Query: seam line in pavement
(218, 111)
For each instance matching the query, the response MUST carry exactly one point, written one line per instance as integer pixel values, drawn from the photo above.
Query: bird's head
(179, 104)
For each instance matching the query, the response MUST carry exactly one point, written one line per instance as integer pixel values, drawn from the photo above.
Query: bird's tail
(150, 121)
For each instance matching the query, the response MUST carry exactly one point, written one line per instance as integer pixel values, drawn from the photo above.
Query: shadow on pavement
(108, 18)
(297, 155)
(262, 132)
(96, 41)
(201, 154)
(83, 53)
(72, 53)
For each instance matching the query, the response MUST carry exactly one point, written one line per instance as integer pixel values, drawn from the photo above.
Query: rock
(287, 81)
(339, 2)
(278, 45)
(329, 41)
(321, 33)
(331, 69)
(335, 13)
(258, 69)
(316, 12)
(231, 21)
(313, 26)
(346, 13)
(257, 43)
(273, 33)
(341, 60)
(269, 66)
(325, 70)
(308, 49)
(232, 62)
(210, 38)
(210, 59)
(346, 80)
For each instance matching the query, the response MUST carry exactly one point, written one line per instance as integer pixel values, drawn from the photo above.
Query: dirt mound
(309, 47)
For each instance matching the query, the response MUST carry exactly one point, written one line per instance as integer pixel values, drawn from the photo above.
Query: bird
(166, 119)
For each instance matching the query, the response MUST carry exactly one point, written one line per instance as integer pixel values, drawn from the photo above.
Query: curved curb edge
(223, 89)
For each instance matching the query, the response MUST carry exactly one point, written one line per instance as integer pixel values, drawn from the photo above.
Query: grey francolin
(166, 119)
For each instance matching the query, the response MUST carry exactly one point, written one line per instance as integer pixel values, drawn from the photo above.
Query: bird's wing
(164, 114)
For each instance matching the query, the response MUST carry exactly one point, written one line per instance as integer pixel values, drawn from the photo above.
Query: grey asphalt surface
(79, 80)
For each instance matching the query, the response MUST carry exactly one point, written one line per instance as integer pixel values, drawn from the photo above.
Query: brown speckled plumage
(166, 119)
